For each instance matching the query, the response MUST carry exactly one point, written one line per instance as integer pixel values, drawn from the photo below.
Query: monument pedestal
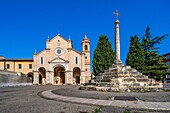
(121, 78)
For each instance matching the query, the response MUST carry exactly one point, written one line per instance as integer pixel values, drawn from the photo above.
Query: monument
(119, 77)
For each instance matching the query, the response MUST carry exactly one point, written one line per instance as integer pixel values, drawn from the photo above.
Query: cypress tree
(135, 56)
(103, 55)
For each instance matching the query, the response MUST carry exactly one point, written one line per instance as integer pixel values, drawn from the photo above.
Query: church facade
(58, 63)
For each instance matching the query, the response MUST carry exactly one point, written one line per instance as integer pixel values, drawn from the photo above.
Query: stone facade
(59, 63)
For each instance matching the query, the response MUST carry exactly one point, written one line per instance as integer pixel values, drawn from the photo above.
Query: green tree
(135, 56)
(103, 55)
(153, 66)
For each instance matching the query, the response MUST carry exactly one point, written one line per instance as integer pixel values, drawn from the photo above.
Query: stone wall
(8, 78)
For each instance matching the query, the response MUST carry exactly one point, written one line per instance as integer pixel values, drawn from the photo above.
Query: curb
(116, 103)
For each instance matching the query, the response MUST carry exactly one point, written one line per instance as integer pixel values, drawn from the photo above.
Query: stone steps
(123, 78)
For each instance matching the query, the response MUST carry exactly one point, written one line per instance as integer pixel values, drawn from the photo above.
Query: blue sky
(26, 24)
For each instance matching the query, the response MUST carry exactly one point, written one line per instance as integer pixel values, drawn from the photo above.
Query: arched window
(86, 47)
(41, 60)
(76, 60)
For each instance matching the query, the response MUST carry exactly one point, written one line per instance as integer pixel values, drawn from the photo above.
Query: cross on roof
(117, 14)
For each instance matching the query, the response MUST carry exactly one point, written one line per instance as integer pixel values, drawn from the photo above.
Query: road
(24, 99)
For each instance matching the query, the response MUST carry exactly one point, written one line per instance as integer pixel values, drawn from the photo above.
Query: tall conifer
(154, 66)
(135, 57)
(145, 57)
(103, 55)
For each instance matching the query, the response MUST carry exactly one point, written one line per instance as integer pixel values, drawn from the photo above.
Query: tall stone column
(117, 39)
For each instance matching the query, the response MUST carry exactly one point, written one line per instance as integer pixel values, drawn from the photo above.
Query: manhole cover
(125, 98)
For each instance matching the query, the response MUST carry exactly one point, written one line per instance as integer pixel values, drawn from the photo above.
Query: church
(59, 63)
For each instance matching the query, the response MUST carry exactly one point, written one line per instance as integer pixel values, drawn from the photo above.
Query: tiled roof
(17, 59)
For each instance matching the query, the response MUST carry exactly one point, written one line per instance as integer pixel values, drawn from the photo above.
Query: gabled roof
(58, 60)
(74, 50)
(60, 37)
(40, 52)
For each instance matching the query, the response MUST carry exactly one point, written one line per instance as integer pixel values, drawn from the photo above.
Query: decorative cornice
(65, 61)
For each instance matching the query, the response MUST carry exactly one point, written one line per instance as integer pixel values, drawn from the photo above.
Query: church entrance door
(62, 78)
(78, 79)
(59, 75)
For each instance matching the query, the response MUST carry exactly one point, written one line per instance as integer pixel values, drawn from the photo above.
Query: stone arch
(76, 75)
(42, 75)
(86, 47)
(59, 74)
(31, 76)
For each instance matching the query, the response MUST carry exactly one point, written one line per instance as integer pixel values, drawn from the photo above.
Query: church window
(86, 47)
(76, 60)
(85, 57)
(19, 66)
(41, 60)
(8, 66)
(58, 51)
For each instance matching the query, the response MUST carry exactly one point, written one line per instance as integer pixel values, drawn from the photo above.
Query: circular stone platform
(157, 101)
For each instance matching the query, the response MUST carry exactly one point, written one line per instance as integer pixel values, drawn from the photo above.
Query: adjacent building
(58, 63)
(21, 66)
(167, 61)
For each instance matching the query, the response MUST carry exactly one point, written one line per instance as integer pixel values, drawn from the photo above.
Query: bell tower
(86, 51)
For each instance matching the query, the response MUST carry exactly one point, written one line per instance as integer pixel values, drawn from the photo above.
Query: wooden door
(62, 77)
(78, 79)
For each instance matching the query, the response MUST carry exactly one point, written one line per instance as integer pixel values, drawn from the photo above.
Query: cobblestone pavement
(24, 99)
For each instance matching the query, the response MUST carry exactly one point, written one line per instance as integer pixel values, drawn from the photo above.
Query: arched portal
(30, 75)
(59, 75)
(76, 75)
(42, 75)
